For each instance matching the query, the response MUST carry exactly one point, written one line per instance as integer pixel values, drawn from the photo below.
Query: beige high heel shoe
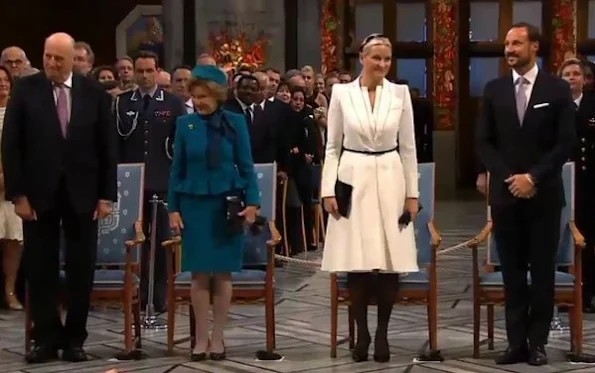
(13, 302)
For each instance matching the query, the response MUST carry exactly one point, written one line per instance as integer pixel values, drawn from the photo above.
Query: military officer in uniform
(145, 119)
(574, 71)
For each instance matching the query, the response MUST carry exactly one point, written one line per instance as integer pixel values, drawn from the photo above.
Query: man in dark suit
(60, 169)
(423, 119)
(524, 137)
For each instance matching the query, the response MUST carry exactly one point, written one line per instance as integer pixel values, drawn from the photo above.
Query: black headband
(369, 38)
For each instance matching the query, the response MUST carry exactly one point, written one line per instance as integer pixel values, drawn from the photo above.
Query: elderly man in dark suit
(525, 136)
(60, 169)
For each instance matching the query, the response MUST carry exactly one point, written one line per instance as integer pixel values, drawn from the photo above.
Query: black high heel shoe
(381, 350)
(198, 357)
(218, 356)
(360, 352)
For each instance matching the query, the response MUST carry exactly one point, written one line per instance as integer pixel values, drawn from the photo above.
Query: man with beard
(525, 135)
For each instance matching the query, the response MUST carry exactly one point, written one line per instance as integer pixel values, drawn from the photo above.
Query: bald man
(60, 169)
(164, 80)
(206, 59)
(16, 61)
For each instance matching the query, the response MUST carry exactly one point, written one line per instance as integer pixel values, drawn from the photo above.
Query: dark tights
(362, 287)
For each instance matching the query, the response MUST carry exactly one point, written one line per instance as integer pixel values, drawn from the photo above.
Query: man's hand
(104, 208)
(23, 208)
(481, 183)
(521, 185)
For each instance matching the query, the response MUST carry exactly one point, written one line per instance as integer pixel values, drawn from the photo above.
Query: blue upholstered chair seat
(494, 280)
(410, 281)
(108, 278)
(247, 278)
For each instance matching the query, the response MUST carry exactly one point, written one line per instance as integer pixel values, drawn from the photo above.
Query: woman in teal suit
(212, 160)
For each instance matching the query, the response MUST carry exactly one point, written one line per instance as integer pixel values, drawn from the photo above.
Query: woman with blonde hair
(213, 191)
(369, 181)
(11, 226)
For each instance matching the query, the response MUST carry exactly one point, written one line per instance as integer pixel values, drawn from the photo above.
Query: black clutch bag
(405, 218)
(343, 196)
(234, 204)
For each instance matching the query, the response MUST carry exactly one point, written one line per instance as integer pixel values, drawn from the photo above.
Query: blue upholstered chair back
(426, 199)
(565, 256)
(255, 248)
(118, 227)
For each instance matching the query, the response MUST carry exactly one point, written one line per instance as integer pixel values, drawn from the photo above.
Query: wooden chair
(118, 257)
(488, 288)
(319, 226)
(250, 286)
(415, 288)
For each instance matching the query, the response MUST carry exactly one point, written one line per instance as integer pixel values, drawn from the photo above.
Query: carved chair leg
(171, 319)
(476, 326)
(128, 322)
(432, 324)
(490, 326)
(137, 323)
(351, 326)
(334, 315)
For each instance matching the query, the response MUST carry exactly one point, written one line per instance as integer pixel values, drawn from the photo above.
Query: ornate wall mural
(563, 31)
(444, 14)
(329, 33)
(141, 29)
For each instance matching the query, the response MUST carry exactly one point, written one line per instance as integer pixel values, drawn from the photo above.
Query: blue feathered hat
(211, 73)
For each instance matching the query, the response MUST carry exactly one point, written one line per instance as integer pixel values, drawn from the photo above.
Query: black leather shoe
(381, 350)
(74, 354)
(360, 352)
(41, 354)
(198, 357)
(537, 356)
(588, 308)
(217, 356)
(513, 355)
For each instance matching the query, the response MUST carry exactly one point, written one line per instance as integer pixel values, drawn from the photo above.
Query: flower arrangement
(328, 25)
(235, 51)
(564, 31)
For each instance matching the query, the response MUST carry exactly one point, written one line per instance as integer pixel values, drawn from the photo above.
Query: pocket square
(537, 106)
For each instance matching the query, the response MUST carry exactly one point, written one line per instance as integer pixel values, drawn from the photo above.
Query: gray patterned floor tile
(303, 326)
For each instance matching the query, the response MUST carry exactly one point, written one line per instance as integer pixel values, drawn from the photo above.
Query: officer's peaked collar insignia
(158, 95)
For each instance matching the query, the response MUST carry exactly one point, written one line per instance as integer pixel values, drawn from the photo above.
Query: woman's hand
(249, 213)
(331, 206)
(412, 205)
(175, 222)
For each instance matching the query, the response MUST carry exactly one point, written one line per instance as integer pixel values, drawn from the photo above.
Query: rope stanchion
(317, 263)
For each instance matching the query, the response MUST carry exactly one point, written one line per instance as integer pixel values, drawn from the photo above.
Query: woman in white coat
(371, 148)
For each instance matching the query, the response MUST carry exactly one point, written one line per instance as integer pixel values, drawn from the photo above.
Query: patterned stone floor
(303, 318)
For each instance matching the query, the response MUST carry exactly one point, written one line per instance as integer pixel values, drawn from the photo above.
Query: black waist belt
(367, 152)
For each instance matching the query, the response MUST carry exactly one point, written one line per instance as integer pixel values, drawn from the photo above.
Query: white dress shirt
(531, 76)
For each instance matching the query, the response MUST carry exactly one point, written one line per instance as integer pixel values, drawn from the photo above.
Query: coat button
(583, 150)
(583, 139)
(584, 168)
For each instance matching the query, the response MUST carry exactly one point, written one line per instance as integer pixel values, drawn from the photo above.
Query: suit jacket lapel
(383, 109)
(510, 95)
(538, 96)
(362, 112)
(75, 98)
(50, 103)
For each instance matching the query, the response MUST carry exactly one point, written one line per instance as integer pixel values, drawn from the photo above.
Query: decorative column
(563, 31)
(329, 33)
(446, 56)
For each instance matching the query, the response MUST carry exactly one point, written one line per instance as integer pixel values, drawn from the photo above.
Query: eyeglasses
(371, 37)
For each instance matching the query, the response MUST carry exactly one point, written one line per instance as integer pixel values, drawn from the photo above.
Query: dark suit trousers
(527, 236)
(585, 221)
(162, 234)
(42, 261)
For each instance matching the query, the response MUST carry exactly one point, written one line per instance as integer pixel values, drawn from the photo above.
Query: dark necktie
(248, 112)
(146, 102)
(575, 106)
(62, 108)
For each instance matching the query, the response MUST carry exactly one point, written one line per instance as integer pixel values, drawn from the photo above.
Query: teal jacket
(189, 174)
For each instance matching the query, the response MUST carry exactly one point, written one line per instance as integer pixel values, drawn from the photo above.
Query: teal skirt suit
(212, 158)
